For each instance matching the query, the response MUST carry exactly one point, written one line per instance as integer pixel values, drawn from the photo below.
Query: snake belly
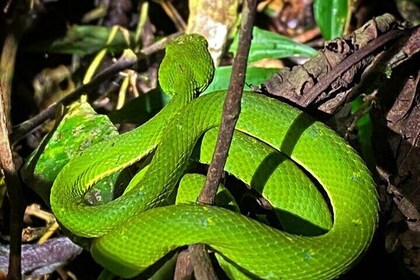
(136, 233)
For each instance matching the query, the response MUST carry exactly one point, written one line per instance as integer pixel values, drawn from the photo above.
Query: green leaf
(331, 16)
(141, 109)
(83, 40)
(79, 129)
(266, 44)
(254, 76)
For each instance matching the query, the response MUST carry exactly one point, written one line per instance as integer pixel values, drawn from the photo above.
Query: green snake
(131, 232)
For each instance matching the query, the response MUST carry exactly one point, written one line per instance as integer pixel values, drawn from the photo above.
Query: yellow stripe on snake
(132, 232)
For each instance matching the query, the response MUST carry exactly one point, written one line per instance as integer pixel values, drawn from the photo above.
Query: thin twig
(124, 62)
(7, 164)
(345, 65)
(14, 33)
(26, 127)
(200, 260)
(231, 109)
(183, 269)
(14, 191)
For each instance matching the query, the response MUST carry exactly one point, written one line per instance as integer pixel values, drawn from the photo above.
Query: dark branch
(231, 109)
(8, 167)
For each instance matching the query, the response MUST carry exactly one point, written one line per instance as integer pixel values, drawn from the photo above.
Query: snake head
(187, 66)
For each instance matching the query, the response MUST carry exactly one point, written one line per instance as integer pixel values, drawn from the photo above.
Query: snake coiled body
(249, 247)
